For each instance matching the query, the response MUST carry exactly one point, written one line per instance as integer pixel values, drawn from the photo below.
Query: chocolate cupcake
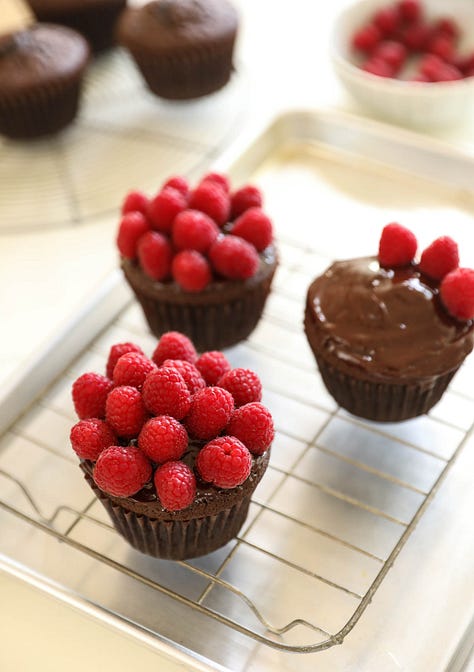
(173, 457)
(95, 19)
(183, 48)
(41, 72)
(201, 261)
(385, 334)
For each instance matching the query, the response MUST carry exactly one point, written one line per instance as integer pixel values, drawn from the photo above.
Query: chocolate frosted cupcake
(173, 457)
(95, 19)
(183, 48)
(386, 333)
(199, 261)
(41, 71)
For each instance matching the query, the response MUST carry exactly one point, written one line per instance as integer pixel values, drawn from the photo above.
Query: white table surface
(283, 48)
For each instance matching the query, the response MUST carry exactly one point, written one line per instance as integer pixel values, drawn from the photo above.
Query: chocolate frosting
(383, 324)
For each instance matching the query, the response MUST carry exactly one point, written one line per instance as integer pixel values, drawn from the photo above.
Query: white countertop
(47, 275)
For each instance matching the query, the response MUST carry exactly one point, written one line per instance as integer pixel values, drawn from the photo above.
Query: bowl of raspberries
(410, 62)
(172, 444)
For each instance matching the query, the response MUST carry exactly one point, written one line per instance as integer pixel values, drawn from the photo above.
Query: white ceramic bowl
(416, 104)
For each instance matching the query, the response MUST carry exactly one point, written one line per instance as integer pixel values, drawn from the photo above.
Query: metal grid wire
(380, 524)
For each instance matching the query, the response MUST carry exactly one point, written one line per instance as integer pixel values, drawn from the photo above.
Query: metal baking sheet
(329, 571)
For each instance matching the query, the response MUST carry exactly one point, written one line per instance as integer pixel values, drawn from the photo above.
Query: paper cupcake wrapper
(383, 402)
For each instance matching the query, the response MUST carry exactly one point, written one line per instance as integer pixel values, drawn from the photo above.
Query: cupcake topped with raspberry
(390, 331)
(200, 261)
(173, 445)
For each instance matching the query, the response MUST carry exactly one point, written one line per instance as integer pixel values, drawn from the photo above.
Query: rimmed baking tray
(328, 555)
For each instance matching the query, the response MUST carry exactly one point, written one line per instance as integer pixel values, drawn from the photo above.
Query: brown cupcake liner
(379, 401)
(192, 73)
(213, 323)
(40, 111)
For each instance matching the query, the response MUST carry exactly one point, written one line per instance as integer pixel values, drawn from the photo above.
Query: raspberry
(220, 179)
(255, 227)
(244, 198)
(243, 384)
(387, 19)
(164, 207)
(448, 73)
(191, 376)
(165, 393)
(154, 255)
(89, 438)
(234, 258)
(253, 425)
(175, 485)
(211, 199)
(366, 38)
(132, 226)
(162, 439)
(135, 201)
(224, 462)
(410, 10)
(191, 271)
(89, 394)
(121, 471)
(116, 351)
(397, 245)
(179, 183)
(174, 345)
(443, 46)
(445, 25)
(379, 67)
(212, 365)
(132, 369)
(439, 258)
(124, 411)
(457, 293)
(415, 37)
(211, 409)
(194, 230)
(392, 52)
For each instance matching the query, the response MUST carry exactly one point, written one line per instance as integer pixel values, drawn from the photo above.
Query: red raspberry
(174, 345)
(191, 376)
(162, 439)
(366, 38)
(116, 351)
(135, 201)
(464, 63)
(439, 258)
(124, 411)
(165, 393)
(132, 369)
(234, 258)
(213, 365)
(415, 37)
(122, 471)
(410, 10)
(387, 19)
(253, 425)
(155, 255)
(211, 199)
(194, 230)
(243, 384)
(211, 409)
(397, 245)
(447, 73)
(445, 25)
(175, 485)
(179, 183)
(379, 67)
(220, 179)
(457, 293)
(224, 462)
(191, 270)
(443, 46)
(164, 208)
(255, 227)
(132, 226)
(89, 438)
(244, 198)
(89, 394)
(392, 52)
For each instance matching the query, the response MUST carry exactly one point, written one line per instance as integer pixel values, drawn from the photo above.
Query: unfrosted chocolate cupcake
(183, 48)
(385, 345)
(41, 72)
(95, 19)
